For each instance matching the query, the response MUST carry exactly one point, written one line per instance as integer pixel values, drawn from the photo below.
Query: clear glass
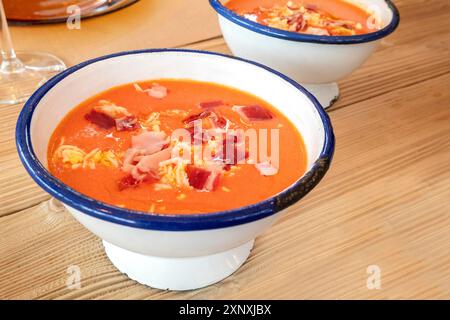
(22, 73)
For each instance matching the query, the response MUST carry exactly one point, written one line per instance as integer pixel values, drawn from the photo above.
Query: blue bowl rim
(299, 37)
(153, 221)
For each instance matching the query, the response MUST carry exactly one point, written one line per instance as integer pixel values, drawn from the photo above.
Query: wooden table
(385, 201)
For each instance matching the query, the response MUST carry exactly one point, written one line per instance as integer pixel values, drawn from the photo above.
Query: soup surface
(318, 17)
(176, 146)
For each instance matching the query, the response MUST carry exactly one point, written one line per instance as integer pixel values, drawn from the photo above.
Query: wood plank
(145, 24)
(384, 202)
(17, 189)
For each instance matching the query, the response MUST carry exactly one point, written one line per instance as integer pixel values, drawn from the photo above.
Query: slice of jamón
(210, 104)
(202, 179)
(129, 123)
(253, 113)
(105, 121)
(127, 182)
(100, 119)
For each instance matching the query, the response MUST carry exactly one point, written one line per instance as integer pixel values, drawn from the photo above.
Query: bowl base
(177, 273)
(327, 94)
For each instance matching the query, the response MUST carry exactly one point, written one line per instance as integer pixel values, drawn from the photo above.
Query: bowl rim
(300, 37)
(166, 222)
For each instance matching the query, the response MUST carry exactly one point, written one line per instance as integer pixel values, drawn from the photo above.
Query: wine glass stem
(10, 62)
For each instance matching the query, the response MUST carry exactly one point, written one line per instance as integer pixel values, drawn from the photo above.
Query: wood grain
(385, 201)
(17, 189)
(145, 24)
(390, 161)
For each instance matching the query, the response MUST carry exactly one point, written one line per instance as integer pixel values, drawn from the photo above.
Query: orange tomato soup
(318, 17)
(117, 147)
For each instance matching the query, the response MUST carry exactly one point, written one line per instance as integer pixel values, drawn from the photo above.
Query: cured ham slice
(149, 142)
(239, 153)
(217, 121)
(210, 104)
(157, 91)
(196, 136)
(142, 168)
(197, 177)
(128, 123)
(266, 168)
(150, 164)
(221, 122)
(129, 160)
(127, 182)
(198, 116)
(110, 109)
(213, 181)
(203, 179)
(317, 31)
(253, 113)
(297, 22)
(108, 115)
(142, 160)
(100, 119)
(130, 182)
(307, 18)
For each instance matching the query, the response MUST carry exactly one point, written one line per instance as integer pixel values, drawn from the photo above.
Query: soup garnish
(176, 146)
(316, 17)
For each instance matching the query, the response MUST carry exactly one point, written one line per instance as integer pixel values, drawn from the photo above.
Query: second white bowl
(317, 62)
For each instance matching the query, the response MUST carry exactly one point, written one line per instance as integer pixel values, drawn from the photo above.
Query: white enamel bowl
(172, 251)
(317, 62)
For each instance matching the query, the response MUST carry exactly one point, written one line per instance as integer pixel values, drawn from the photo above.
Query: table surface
(384, 202)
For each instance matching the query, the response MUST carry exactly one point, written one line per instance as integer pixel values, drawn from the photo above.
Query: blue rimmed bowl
(317, 62)
(177, 252)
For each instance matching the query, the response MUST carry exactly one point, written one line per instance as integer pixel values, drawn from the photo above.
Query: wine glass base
(41, 61)
(18, 86)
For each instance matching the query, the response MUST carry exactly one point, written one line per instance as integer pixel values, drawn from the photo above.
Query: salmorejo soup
(316, 17)
(176, 147)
